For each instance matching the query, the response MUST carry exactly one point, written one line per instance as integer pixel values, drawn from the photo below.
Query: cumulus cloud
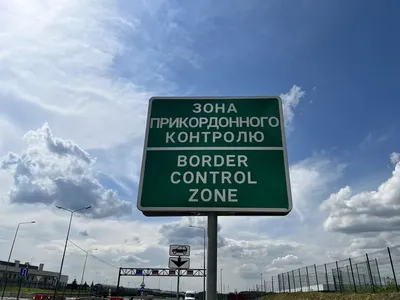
(290, 101)
(286, 260)
(130, 259)
(53, 171)
(367, 211)
(310, 179)
(180, 232)
(395, 158)
(63, 68)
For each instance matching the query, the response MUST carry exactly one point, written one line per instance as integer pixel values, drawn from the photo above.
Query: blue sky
(87, 70)
(342, 54)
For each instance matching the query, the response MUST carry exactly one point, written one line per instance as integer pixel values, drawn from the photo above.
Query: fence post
(394, 273)
(308, 279)
(338, 276)
(283, 282)
(379, 273)
(352, 274)
(273, 284)
(326, 277)
(358, 275)
(294, 281)
(348, 275)
(334, 281)
(288, 277)
(301, 285)
(316, 276)
(370, 273)
(279, 283)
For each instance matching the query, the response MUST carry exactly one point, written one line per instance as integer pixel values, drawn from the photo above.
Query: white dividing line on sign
(211, 148)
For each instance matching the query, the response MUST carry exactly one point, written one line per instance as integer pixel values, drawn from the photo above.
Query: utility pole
(65, 246)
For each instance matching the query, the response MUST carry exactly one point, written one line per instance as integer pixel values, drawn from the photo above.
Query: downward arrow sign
(179, 263)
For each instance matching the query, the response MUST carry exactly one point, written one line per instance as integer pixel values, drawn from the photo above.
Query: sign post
(23, 273)
(214, 156)
(179, 261)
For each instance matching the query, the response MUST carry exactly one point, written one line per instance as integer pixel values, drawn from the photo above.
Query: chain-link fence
(372, 272)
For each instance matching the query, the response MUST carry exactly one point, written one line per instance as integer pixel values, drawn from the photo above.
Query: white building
(37, 276)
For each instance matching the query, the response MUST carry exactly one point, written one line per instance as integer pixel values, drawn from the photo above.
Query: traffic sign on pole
(179, 250)
(223, 155)
(24, 272)
(178, 263)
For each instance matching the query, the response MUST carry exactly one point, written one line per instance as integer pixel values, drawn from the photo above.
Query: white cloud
(54, 171)
(65, 63)
(368, 211)
(310, 179)
(130, 259)
(59, 61)
(395, 158)
(290, 101)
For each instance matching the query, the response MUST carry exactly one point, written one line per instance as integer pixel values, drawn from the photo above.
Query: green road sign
(225, 155)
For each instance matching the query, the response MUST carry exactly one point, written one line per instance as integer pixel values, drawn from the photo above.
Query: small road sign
(179, 250)
(179, 263)
(218, 154)
(24, 272)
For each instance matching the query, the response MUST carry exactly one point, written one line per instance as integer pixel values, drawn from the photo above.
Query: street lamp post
(9, 256)
(221, 281)
(66, 243)
(204, 258)
(84, 267)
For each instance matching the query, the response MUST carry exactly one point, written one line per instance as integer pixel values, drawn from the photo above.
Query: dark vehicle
(180, 250)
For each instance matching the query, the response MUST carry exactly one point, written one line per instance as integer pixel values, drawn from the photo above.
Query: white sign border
(171, 247)
(240, 210)
(174, 266)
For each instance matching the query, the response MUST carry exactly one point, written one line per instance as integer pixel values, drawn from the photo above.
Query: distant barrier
(372, 272)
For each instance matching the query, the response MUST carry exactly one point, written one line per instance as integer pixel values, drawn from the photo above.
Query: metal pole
(394, 273)
(212, 256)
(83, 272)
(9, 257)
(273, 284)
(8, 261)
(379, 273)
(352, 274)
(119, 279)
(358, 275)
(19, 287)
(63, 257)
(370, 273)
(316, 276)
(337, 271)
(261, 283)
(221, 282)
(204, 264)
(348, 275)
(177, 285)
(279, 283)
(301, 285)
(326, 277)
(84, 266)
(308, 279)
